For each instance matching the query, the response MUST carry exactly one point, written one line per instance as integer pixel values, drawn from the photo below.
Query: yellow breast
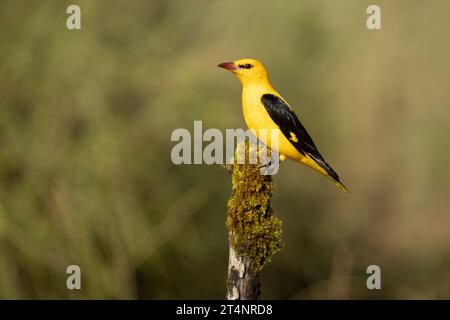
(257, 118)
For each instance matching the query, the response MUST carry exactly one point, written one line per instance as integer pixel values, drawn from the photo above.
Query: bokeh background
(85, 124)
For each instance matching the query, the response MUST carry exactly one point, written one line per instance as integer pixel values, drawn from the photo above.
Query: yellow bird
(264, 108)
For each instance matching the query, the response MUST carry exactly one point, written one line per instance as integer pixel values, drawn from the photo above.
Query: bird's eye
(245, 66)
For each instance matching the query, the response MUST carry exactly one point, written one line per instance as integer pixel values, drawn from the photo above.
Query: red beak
(228, 66)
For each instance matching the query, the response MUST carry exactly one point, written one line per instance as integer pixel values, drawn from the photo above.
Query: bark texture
(243, 282)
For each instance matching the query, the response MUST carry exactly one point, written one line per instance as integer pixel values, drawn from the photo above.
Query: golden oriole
(264, 108)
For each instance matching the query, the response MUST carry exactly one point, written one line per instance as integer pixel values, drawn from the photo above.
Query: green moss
(255, 231)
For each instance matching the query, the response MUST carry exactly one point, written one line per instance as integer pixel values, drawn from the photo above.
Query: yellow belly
(259, 121)
(261, 124)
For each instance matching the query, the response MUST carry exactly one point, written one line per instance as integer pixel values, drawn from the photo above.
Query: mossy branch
(254, 232)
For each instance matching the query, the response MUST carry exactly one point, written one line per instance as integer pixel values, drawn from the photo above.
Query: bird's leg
(269, 163)
(263, 157)
(266, 165)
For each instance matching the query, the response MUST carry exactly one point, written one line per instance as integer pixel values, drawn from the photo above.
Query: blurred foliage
(85, 124)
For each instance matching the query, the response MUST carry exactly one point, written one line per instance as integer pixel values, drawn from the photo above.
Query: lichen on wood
(254, 232)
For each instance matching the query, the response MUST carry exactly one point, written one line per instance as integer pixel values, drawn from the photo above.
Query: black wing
(293, 130)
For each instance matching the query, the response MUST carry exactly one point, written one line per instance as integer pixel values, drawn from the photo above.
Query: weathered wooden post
(254, 233)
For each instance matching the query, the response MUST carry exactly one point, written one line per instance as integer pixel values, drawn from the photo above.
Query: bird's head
(248, 71)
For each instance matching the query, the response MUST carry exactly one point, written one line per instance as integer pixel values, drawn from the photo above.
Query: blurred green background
(85, 124)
